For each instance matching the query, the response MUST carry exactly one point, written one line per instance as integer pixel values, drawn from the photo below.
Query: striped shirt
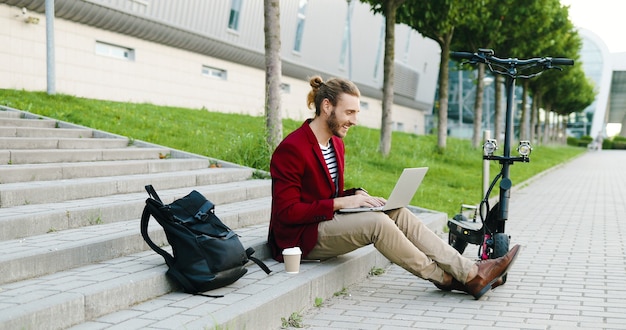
(331, 160)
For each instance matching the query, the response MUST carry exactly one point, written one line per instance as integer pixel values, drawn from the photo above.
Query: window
(364, 105)
(398, 126)
(407, 48)
(300, 25)
(346, 43)
(119, 52)
(233, 18)
(214, 72)
(380, 49)
(286, 88)
(139, 5)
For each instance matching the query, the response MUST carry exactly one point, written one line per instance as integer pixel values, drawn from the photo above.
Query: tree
(389, 9)
(483, 30)
(437, 20)
(563, 92)
(568, 92)
(555, 26)
(521, 24)
(273, 68)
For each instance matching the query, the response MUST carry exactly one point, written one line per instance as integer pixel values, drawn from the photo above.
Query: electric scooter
(489, 234)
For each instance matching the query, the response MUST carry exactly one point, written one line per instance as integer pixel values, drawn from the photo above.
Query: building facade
(606, 116)
(210, 54)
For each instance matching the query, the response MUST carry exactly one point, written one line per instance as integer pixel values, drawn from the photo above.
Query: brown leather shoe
(453, 285)
(489, 271)
(458, 286)
(498, 282)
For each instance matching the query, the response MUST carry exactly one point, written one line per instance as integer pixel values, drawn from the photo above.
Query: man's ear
(326, 107)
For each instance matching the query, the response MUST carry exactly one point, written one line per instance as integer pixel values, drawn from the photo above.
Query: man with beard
(308, 190)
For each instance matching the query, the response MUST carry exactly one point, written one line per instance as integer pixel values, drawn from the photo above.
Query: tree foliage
(483, 30)
(535, 28)
(437, 20)
(516, 29)
(568, 91)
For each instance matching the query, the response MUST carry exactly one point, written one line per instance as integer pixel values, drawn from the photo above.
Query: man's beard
(334, 125)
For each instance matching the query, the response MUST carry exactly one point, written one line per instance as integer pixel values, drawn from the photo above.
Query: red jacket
(302, 190)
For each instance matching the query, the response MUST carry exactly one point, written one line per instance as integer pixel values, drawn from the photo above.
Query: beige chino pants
(399, 235)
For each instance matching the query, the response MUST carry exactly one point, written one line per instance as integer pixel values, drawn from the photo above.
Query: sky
(605, 18)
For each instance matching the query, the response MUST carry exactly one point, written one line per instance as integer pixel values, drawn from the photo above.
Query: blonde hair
(331, 90)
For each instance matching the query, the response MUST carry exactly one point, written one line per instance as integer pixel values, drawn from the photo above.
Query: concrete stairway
(70, 202)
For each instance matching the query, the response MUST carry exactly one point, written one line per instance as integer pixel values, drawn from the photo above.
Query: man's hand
(359, 199)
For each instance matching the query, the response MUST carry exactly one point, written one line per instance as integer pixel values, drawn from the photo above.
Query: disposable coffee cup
(291, 257)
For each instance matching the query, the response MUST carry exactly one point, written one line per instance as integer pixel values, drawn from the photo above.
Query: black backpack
(206, 253)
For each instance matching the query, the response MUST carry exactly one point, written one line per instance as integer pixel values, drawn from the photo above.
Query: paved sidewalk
(571, 272)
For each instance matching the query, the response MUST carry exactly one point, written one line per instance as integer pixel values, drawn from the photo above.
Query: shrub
(572, 141)
(584, 140)
(619, 142)
(619, 138)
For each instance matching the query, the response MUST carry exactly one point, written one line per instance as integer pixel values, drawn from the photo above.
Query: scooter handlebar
(562, 61)
(490, 57)
(462, 55)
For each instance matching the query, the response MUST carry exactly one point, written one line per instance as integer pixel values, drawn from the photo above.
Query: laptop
(402, 193)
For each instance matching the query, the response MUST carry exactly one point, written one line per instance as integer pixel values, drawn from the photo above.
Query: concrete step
(10, 143)
(79, 155)
(39, 192)
(39, 255)
(133, 292)
(64, 171)
(14, 131)
(71, 297)
(10, 114)
(28, 122)
(258, 301)
(28, 220)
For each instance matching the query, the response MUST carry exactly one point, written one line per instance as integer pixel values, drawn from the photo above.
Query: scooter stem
(505, 182)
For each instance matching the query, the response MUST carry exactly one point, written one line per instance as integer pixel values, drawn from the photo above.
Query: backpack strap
(249, 252)
(152, 193)
(145, 218)
(208, 295)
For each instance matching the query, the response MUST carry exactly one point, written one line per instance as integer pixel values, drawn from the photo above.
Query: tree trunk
(558, 127)
(386, 128)
(546, 128)
(554, 123)
(273, 71)
(478, 107)
(538, 104)
(563, 137)
(442, 126)
(533, 119)
(524, 131)
(499, 110)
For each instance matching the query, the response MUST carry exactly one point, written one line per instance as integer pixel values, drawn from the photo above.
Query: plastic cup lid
(291, 251)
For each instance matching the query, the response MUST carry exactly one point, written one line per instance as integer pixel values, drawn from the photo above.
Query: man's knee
(375, 222)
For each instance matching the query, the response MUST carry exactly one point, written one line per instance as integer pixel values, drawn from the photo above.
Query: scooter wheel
(500, 248)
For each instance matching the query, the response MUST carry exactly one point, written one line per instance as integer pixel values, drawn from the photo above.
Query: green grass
(455, 174)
